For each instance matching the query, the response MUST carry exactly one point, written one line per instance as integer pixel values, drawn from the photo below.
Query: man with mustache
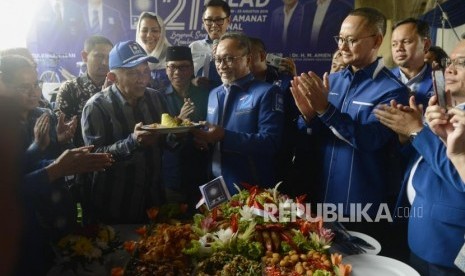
(410, 42)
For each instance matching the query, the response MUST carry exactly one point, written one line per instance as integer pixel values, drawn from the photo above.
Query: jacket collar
(372, 70)
(243, 82)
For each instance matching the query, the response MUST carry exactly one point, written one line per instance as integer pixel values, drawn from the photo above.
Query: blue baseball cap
(128, 54)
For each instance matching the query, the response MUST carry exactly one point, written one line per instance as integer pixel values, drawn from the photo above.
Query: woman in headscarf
(151, 35)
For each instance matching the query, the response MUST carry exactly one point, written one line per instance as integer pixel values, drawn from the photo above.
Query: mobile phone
(273, 60)
(439, 86)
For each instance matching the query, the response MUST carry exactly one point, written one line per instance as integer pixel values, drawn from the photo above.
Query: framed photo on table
(215, 192)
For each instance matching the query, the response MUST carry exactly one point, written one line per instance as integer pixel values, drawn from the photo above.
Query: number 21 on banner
(171, 20)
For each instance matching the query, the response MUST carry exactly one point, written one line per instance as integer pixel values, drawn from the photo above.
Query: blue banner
(58, 32)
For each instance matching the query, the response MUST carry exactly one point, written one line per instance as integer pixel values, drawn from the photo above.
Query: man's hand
(302, 103)
(144, 137)
(209, 135)
(456, 137)
(187, 109)
(65, 131)
(42, 131)
(315, 90)
(400, 119)
(437, 119)
(287, 66)
(78, 160)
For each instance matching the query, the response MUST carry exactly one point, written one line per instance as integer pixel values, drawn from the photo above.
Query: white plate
(367, 265)
(369, 240)
(164, 130)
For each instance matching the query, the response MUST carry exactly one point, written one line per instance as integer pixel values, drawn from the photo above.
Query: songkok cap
(128, 54)
(175, 53)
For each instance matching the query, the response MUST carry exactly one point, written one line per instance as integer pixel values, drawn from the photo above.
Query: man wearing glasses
(183, 164)
(356, 147)
(433, 185)
(216, 18)
(245, 119)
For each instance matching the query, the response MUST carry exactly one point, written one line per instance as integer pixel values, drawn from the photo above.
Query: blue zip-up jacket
(253, 123)
(423, 87)
(437, 222)
(357, 148)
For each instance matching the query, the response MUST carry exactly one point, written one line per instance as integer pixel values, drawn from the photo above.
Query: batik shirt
(71, 98)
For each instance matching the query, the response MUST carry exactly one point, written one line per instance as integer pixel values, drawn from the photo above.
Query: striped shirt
(122, 193)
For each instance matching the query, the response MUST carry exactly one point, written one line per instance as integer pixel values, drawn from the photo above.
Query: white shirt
(287, 20)
(322, 7)
(410, 190)
(201, 51)
(412, 83)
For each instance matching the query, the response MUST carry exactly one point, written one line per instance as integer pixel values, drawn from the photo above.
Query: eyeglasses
(350, 41)
(458, 62)
(181, 68)
(217, 21)
(227, 60)
(26, 89)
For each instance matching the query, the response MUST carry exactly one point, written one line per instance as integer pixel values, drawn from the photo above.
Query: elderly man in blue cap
(111, 121)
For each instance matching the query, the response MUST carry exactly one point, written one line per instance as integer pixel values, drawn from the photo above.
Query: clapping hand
(42, 131)
(310, 94)
(65, 131)
(187, 109)
(403, 120)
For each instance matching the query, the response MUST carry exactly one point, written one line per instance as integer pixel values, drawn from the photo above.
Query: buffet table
(238, 238)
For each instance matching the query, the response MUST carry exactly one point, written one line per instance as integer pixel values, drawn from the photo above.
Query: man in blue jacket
(410, 42)
(356, 148)
(433, 186)
(245, 118)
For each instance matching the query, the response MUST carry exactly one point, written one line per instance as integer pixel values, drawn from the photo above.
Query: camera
(273, 60)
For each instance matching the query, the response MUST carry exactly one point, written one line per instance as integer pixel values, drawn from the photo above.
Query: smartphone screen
(439, 86)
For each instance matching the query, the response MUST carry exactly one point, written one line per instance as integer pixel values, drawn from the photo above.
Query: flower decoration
(86, 245)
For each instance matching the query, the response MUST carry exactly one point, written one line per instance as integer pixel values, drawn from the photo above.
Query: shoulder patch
(278, 104)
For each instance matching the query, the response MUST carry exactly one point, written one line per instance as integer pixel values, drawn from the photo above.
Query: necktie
(216, 157)
(95, 26)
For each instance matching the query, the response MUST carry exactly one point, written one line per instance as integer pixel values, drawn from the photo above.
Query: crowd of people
(361, 134)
